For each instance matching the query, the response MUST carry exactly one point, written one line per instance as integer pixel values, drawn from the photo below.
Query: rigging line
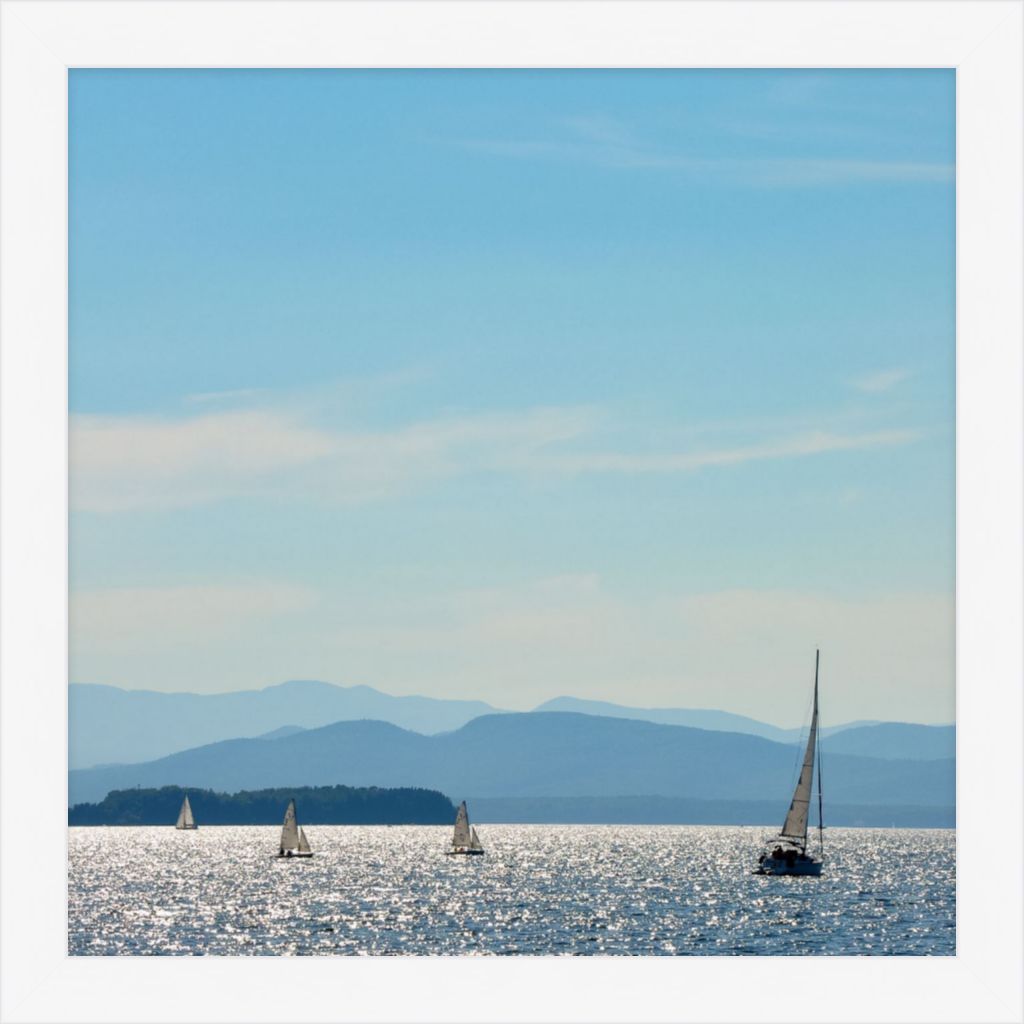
(817, 743)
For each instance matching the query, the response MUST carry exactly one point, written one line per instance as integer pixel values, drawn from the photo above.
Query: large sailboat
(787, 853)
(185, 819)
(464, 839)
(293, 838)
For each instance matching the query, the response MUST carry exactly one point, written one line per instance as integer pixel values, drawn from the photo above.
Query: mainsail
(795, 826)
(185, 819)
(303, 842)
(290, 832)
(461, 836)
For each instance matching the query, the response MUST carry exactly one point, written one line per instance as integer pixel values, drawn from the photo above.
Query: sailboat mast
(821, 823)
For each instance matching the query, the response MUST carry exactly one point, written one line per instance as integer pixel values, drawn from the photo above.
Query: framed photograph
(511, 511)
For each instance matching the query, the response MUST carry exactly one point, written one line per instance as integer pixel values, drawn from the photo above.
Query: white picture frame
(41, 40)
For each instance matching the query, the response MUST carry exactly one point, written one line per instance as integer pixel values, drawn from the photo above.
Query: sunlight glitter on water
(576, 889)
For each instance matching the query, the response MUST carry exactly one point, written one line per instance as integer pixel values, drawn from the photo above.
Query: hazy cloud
(120, 463)
(607, 143)
(882, 380)
(816, 443)
(748, 651)
(519, 644)
(214, 397)
(127, 620)
(124, 463)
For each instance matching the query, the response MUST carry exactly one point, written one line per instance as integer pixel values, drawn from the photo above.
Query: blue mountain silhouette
(530, 755)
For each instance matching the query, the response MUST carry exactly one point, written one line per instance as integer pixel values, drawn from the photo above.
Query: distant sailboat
(293, 839)
(787, 854)
(185, 819)
(464, 839)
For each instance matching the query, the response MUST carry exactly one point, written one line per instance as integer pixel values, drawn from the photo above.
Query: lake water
(541, 889)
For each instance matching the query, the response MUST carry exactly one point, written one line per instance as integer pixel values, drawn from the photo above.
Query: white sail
(474, 840)
(461, 836)
(185, 819)
(290, 831)
(795, 826)
(303, 842)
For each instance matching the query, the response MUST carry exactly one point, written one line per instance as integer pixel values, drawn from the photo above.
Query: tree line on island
(322, 805)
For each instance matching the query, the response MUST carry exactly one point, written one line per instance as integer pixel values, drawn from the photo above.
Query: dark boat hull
(782, 866)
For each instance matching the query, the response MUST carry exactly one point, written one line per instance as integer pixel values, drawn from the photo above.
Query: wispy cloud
(120, 463)
(519, 643)
(576, 633)
(881, 380)
(217, 397)
(132, 462)
(119, 620)
(817, 443)
(604, 142)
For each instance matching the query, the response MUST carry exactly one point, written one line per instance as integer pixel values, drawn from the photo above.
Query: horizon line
(505, 711)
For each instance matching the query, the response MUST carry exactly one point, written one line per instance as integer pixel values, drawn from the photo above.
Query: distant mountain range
(547, 754)
(867, 738)
(108, 725)
(896, 741)
(696, 718)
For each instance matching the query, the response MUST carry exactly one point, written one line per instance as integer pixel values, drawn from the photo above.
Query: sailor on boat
(788, 852)
(465, 841)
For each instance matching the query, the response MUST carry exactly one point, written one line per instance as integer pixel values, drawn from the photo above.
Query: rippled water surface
(675, 890)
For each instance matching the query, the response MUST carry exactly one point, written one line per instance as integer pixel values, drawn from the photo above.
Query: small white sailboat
(185, 819)
(464, 839)
(787, 853)
(293, 838)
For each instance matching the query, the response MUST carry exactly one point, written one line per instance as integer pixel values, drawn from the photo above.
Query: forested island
(317, 805)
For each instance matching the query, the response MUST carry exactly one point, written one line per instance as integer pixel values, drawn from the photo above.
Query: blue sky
(633, 385)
